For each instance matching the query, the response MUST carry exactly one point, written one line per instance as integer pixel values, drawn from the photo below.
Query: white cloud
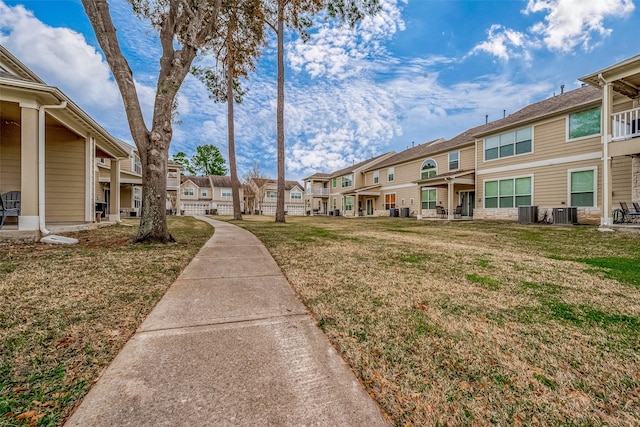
(570, 23)
(63, 58)
(338, 51)
(504, 43)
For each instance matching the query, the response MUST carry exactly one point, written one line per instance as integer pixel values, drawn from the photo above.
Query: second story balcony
(625, 124)
(317, 192)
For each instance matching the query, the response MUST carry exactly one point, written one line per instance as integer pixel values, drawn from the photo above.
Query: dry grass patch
(474, 323)
(66, 311)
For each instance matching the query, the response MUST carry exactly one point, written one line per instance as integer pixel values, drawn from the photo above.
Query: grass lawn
(66, 311)
(474, 323)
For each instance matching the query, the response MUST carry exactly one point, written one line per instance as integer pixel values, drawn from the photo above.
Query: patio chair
(636, 206)
(628, 215)
(441, 212)
(457, 213)
(9, 205)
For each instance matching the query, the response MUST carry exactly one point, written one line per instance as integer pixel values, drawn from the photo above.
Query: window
(347, 181)
(204, 192)
(376, 177)
(390, 201)
(507, 193)
(271, 194)
(335, 203)
(334, 182)
(454, 160)
(137, 165)
(429, 169)
(508, 144)
(584, 123)
(225, 193)
(348, 203)
(188, 191)
(429, 198)
(411, 201)
(295, 196)
(137, 197)
(582, 187)
(391, 176)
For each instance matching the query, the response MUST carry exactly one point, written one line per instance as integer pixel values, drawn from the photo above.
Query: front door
(468, 202)
(369, 206)
(107, 200)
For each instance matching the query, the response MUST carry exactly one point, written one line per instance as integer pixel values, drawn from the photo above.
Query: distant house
(344, 191)
(48, 152)
(262, 196)
(202, 195)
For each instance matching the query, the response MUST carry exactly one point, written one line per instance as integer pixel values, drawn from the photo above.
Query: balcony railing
(626, 124)
(172, 182)
(317, 192)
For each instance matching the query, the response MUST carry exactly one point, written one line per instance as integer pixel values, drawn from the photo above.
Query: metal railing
(317, 192)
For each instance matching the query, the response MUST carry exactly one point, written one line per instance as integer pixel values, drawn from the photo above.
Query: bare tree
(187, 24)
(296, 14)
(253, 188)
(237, 46)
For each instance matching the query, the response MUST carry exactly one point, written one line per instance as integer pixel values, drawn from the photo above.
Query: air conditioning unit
(565, 215)
(527, 214)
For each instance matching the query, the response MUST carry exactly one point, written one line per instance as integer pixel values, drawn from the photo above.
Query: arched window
(429, 169)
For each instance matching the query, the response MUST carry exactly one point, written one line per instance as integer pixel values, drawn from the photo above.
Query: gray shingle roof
(288, 185)
(200, 181)
(569, 100)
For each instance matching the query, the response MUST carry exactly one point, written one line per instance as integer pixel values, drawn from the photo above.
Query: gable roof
(15, 69)
(568, 101)
(288, 185)
(200, 181)
(220, 181)
(349, 169)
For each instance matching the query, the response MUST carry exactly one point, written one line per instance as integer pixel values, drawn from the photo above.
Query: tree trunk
(280, 114)
(235, 185)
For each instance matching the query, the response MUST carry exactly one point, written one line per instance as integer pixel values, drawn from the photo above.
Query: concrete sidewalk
(228, 345)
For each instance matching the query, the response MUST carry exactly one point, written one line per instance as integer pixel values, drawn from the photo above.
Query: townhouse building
(578, 151)
(262, 196)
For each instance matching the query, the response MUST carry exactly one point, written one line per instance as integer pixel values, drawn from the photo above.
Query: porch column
(179, 193)
(607, 103)
(450, 194)
(29, 213)
(114, 194)
(635, 179)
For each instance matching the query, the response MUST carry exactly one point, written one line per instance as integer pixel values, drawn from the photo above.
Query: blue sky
(418, 71)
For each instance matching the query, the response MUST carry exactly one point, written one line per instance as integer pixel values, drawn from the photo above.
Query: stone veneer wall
(585, 215)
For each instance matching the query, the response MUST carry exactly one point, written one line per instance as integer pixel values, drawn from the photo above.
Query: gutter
(41, 204)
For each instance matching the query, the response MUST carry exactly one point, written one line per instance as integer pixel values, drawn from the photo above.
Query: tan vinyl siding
(467, 157)
(64, 176)
(126, 197)
(621, 177)
(126, 164)
(9, 157)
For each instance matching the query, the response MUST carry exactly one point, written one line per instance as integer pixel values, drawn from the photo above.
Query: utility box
(527, 214)
(565, 215)
(404, 212)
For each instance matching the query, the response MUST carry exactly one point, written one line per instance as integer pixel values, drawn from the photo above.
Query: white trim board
(596, 155)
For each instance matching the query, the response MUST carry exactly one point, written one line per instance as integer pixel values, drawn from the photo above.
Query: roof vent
(561, 89)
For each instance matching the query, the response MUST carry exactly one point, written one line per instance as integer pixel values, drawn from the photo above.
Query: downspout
(41, 118)
(605, 151)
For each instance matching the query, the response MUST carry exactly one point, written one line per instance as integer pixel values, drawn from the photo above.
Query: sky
(417, 71)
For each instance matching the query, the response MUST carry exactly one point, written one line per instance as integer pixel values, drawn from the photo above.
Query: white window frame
(292, 199)
(346, 204)
(595, 184)
(269, 195)
(430, 170)
(484, 193)
(137, 197)
(391, 174)
(514, 131)
(226, 193)
(188, 191)
(457, 160)
(137, 164)
(203, 192)
(376, 177)
(346, 181)
(435, 200)
(569, 139)
(384, 200)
